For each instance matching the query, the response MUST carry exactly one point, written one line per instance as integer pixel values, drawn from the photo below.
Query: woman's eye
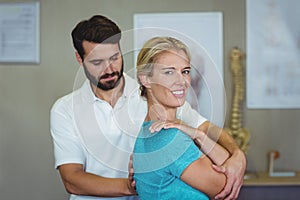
(168, 72)
(186, 71)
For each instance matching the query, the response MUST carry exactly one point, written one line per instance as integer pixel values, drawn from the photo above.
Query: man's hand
(234, 169)
(131, 181)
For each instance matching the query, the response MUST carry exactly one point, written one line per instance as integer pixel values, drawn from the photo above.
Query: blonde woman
(172, 160)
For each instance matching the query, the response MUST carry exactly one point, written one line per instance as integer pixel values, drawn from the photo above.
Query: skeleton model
(236, 129)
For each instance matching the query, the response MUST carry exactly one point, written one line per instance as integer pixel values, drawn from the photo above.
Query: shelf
(263, 179)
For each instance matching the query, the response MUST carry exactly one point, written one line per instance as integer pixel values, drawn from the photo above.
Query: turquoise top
(159, 160)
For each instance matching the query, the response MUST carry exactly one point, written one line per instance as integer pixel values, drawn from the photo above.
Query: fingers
(157, 126)
(220, 169)
(162, 124)
(168, 125)
(224, 192)
(229, 183)
(130, 169)
(130, 164)
(131, 174)
(234, 171)
(236, 189)
(233, 193)
(231, 189)
(190, 131)
(132, 183)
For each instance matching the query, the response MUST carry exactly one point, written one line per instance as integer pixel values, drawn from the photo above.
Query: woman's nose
(180, 79)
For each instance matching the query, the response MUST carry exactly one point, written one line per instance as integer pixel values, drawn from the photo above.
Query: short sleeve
(190, 154)
(190, 116)
(67, 146)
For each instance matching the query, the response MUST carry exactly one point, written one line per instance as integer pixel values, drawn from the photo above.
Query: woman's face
(170, 78)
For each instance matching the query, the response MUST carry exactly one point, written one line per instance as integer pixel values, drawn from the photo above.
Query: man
(94, 128)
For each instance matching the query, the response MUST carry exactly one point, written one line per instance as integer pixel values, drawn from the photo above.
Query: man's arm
(234, 167)
(79, 182)
(220, 136)
(68, 146)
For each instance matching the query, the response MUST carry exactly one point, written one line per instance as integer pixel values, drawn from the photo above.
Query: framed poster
(203, 34)
(273, 49)
(20, 32)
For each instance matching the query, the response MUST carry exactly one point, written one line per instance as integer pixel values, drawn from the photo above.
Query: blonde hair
(151, 50)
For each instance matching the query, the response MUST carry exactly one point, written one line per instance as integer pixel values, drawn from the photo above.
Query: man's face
(103, 64)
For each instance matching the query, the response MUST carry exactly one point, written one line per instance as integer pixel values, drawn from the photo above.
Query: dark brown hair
(97, 29)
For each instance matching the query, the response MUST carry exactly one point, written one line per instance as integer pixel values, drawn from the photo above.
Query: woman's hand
(233, 167)
(194, 133)
(157, 126)
(164, 124)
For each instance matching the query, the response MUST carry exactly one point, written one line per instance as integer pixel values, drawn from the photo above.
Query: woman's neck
(159, 112)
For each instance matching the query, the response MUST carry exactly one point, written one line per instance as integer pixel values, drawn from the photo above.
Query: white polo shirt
(88, 131)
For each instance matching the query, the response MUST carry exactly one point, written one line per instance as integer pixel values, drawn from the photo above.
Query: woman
(168, 163)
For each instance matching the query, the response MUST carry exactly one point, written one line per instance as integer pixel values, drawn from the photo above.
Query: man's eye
(96, 63)
(114, 58)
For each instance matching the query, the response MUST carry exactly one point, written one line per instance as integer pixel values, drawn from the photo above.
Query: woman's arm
(234, 167)
(203, 177)
(213, 150)
(220, 136)
(200, 174)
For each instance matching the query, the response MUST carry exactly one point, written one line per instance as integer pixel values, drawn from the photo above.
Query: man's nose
(108, 66)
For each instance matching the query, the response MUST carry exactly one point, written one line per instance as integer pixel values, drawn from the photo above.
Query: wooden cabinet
(262, 187)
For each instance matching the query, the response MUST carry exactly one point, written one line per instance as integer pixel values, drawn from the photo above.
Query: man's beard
(108, 85)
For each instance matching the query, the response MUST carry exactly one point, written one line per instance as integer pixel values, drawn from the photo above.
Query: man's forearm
(220, 136)
(226, 141)
(82, 183)
(213, 150)
(234, 167)
(102, 187)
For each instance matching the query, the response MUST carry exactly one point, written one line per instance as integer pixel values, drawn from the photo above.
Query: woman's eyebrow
(166, 68)
(170, 67)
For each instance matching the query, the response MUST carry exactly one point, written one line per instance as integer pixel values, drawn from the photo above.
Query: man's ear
(145, 81)
(78, 58)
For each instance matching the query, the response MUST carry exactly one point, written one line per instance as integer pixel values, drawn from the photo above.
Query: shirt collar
(131, 89)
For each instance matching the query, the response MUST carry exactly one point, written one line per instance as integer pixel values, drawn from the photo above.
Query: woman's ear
(78, 58)
(145, 81)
